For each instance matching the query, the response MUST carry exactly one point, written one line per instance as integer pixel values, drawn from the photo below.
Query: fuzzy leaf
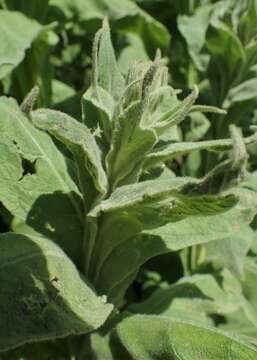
(130, 142)
(98, 107)
(43, 297)
(177, 113)
(146, 205)
(128, 251)
(181, 148)
(36, 181)
(109, 76)
(151, 338)
(191, 298)
(245, 91)
(78, 138)
(244, 320)
(231, 252)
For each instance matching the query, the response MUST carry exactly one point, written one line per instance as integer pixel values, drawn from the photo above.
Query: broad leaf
(191, 298)
(15, 40)
(35, 9)
(226, 61)
(78, 138)
(134, 50)
(195, 39)
(43, 297)
(151, 338)
(130, 18)
(147, 205)
(37, 182)
(244, 320)
(231, 252)
(127, 253)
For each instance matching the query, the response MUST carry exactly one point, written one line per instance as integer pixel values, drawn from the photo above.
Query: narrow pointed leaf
(109, 76)
(178, 113)
(130, 142)
(181, 148)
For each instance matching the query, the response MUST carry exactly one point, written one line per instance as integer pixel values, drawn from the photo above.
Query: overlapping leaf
(78, 138)
(191, 298)
(147, 207)
(127, 256)
(36, 181)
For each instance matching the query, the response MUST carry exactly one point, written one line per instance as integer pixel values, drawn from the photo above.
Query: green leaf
(129, 253)
(79, 140)
(15, 40)
(227, 58)
(155, 337)
(170, 151)
(121, 247)
(97, 109)
(231, 252)
(246, 27)
(191, 298)
(37, 182)
(130, 142)
(134, 50)
(109, 76)
(199, 21)
(177, 113)
(35, 9)
(244, 320)
(86, 10)
(197, 126)
(202, 229)
(245, 91)
(43, 296)
(107, 85)
(65, 99)
(129, 19)
(133, 19)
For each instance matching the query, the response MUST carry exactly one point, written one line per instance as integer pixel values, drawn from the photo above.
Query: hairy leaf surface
(36, 181)
(78, 138)
(171, 339)
(43, 296)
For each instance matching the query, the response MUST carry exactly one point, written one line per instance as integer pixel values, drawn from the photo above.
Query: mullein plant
(92, 201)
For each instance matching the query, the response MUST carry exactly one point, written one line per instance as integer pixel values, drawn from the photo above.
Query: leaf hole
(29, 167)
